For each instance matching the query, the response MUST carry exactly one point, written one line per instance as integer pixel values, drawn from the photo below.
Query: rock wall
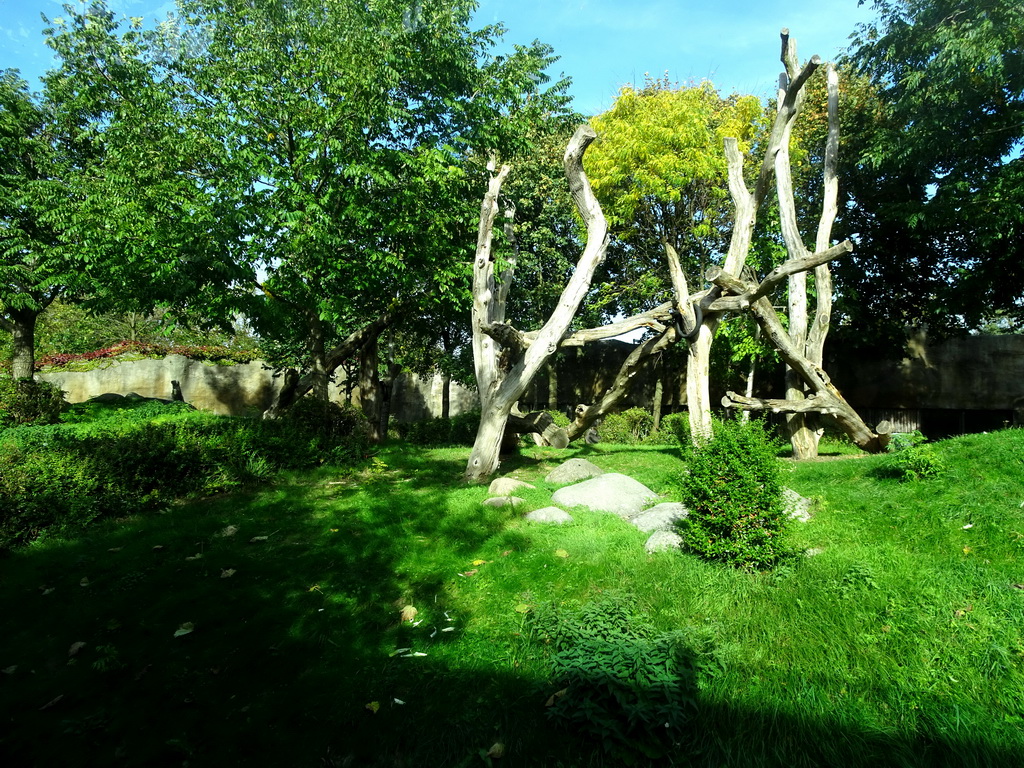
(237, 390)
(245, 389)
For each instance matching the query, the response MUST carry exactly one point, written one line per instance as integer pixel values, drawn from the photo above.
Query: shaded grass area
(899, 644)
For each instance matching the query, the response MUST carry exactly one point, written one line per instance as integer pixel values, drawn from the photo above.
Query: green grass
(901, 643)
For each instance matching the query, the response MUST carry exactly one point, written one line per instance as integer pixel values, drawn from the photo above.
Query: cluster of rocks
(586, 485)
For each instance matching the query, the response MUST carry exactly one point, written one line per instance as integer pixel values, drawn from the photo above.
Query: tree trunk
(320, 381)
(23, 343)
(446, 396)
(369, 387)
(501, 389)
(297, 386)
(552, 386)
(483, 459)
(659, 395)
(698, 390)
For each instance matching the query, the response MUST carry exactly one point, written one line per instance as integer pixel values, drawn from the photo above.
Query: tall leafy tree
(935, 181)
(347, 137)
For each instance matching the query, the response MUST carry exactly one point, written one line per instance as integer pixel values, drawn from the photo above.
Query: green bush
(673, 430)
(630, 690)
(58, 478)
(629, 427)
(340, 431)
(29, 402)
(731, 487)
(909, 457)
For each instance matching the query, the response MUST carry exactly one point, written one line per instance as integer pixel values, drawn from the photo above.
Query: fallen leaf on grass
(497, 750)
(258, 539)
(554, 697)
(46, 590)
(10, 670)
(1015, 586)
(51, 702)
(968, 526)
(231, 530)
(227, 573)
(115, 549)
(414, 654)
(184, 629)
(561, 553)
(523, 608)
(373, 706)
(398, 701)
(196, 556)
(480, 562)
(409, 613)
(84, 582)
(158, 547)
(471, 572)
(448, 629)
(399, 650)
(75, 648)
(506, 553)
(967, 550)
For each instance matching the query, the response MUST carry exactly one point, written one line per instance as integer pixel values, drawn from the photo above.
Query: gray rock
(797, 507)
(663, 540)
(549, 515)
(506, 486)
(610, 492)
(504, 501)
(573, 471)
(661, 517)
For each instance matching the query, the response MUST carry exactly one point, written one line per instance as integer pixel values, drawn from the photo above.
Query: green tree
(937, 197)
(348, 133)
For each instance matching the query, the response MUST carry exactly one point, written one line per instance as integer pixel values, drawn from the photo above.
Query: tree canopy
(934, 126)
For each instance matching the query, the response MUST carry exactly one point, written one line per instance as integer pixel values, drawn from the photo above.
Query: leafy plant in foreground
(731, 487)
(630, 690)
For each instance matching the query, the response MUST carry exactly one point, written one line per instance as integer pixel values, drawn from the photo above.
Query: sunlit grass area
(266, 628)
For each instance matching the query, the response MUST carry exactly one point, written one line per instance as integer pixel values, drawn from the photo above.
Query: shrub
(629, 427)
(340, 432)
(29, 402)
(910, 458)
(632, 691)
(673, 430)
(731, 487)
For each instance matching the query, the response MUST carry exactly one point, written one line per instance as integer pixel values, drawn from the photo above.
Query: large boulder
(797, 507)
(610, 492)
(661, 517)
(506, 486)
(663, 540)
(549, 515)
(573, 471)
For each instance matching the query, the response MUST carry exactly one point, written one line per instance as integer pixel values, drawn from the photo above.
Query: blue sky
(603, 44)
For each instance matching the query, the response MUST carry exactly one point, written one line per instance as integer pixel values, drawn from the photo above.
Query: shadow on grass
(207, 647)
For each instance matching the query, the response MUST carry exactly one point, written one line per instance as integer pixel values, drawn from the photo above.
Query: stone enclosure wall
(960, 385)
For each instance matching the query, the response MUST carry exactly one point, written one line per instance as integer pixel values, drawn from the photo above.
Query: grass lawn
(266, 628)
